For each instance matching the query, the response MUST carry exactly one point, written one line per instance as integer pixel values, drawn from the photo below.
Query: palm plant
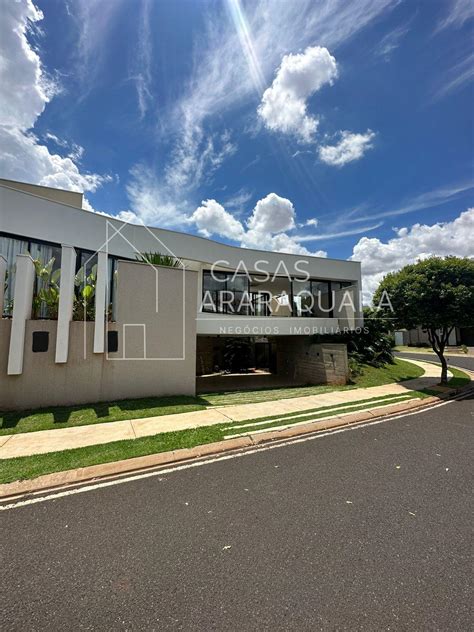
(84, 308)
(47, 289)
(158, 259)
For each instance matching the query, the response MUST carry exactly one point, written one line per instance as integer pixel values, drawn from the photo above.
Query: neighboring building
(153, 328)
(419, 337)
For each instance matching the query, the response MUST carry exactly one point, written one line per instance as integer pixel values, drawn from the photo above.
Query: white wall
(24, 214)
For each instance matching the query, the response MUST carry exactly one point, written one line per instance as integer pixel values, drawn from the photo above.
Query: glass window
(225, 293)
(321, 291)
(303, 299)
(10, 248)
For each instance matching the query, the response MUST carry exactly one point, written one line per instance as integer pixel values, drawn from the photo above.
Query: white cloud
(428, 199)
(392, 40)
(459, 12)
(456, 77)
(349, 148)
(25, 90)
(23, 158)
(410, 244)
(267, 225)
(239, 200)
(283, 107)
(272, 214)
(197, 156)
(212, 218)
(278, 243)
(143, 62)
(95, 20)
(24, 85)
(235, 57)
(150, 201)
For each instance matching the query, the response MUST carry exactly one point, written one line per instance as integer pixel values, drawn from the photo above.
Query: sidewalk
(45, 441)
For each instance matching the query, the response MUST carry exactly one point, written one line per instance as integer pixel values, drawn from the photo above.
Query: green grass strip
(459, 378)
(329, 407)
(104, 412)
(27, 467)
(315, 417)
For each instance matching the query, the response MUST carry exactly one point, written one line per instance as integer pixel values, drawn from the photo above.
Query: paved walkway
(44, 441)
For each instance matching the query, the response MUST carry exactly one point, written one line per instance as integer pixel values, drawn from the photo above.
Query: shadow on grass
(102, 411)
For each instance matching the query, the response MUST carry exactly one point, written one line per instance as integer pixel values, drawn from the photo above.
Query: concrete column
(22, 301)
(66, 299)
(3, 274)
(199, 289)
(100, 298)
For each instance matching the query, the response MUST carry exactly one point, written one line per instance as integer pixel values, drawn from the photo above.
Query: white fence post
(22, 302)
(66, 298)
(3, 274)
(100, 298)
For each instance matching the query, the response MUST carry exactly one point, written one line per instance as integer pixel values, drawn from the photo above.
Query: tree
(373, 345)
(435, 294)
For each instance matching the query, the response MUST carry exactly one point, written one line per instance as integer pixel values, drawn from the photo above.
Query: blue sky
(338, 128)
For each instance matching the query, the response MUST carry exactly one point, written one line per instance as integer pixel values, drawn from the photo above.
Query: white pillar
(66, 299)
(3, 274)
(100, 298)
(199, 289)
(22, 301)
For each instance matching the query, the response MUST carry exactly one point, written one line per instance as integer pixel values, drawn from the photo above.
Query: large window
(41, 251)
(10, 247)
(226, 293)
(312, 298)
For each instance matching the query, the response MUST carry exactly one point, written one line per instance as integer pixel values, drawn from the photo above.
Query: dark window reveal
(40, 341)
(112, 341)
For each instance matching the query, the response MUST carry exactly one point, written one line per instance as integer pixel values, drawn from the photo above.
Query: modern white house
(99, 325)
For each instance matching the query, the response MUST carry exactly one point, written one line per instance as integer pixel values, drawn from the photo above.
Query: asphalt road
(454, 359)
(367, 529)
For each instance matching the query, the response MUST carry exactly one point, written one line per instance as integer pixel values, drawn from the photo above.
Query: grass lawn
(26, 467)
(69, 416)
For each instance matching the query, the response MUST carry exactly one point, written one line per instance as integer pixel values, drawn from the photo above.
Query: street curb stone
(136, 464)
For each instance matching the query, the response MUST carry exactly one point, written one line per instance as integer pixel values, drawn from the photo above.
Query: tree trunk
(444, 368)
(438, 344)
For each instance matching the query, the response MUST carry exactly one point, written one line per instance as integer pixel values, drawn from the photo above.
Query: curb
(137, 464)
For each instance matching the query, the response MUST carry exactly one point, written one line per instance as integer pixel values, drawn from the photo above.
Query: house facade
(84, 320)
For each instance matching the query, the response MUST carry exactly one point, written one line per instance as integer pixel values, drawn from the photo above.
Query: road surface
(454, 359)
(365, 529)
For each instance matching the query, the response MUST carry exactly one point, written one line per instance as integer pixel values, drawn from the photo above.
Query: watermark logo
(137, 337)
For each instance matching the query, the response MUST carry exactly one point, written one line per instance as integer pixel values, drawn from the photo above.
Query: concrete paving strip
(44, 441)
(333, 411)
(110, 473)
(334, 415)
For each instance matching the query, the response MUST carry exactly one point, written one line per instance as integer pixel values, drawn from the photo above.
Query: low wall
(312, 363)
(156, 348)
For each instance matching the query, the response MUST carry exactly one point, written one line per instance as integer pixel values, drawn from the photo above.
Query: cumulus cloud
(272, 214)
(25, 91)
(23, 158)
(283, 107)
(349, 148)
(412, 243)
(265, 229)
(212, 218)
